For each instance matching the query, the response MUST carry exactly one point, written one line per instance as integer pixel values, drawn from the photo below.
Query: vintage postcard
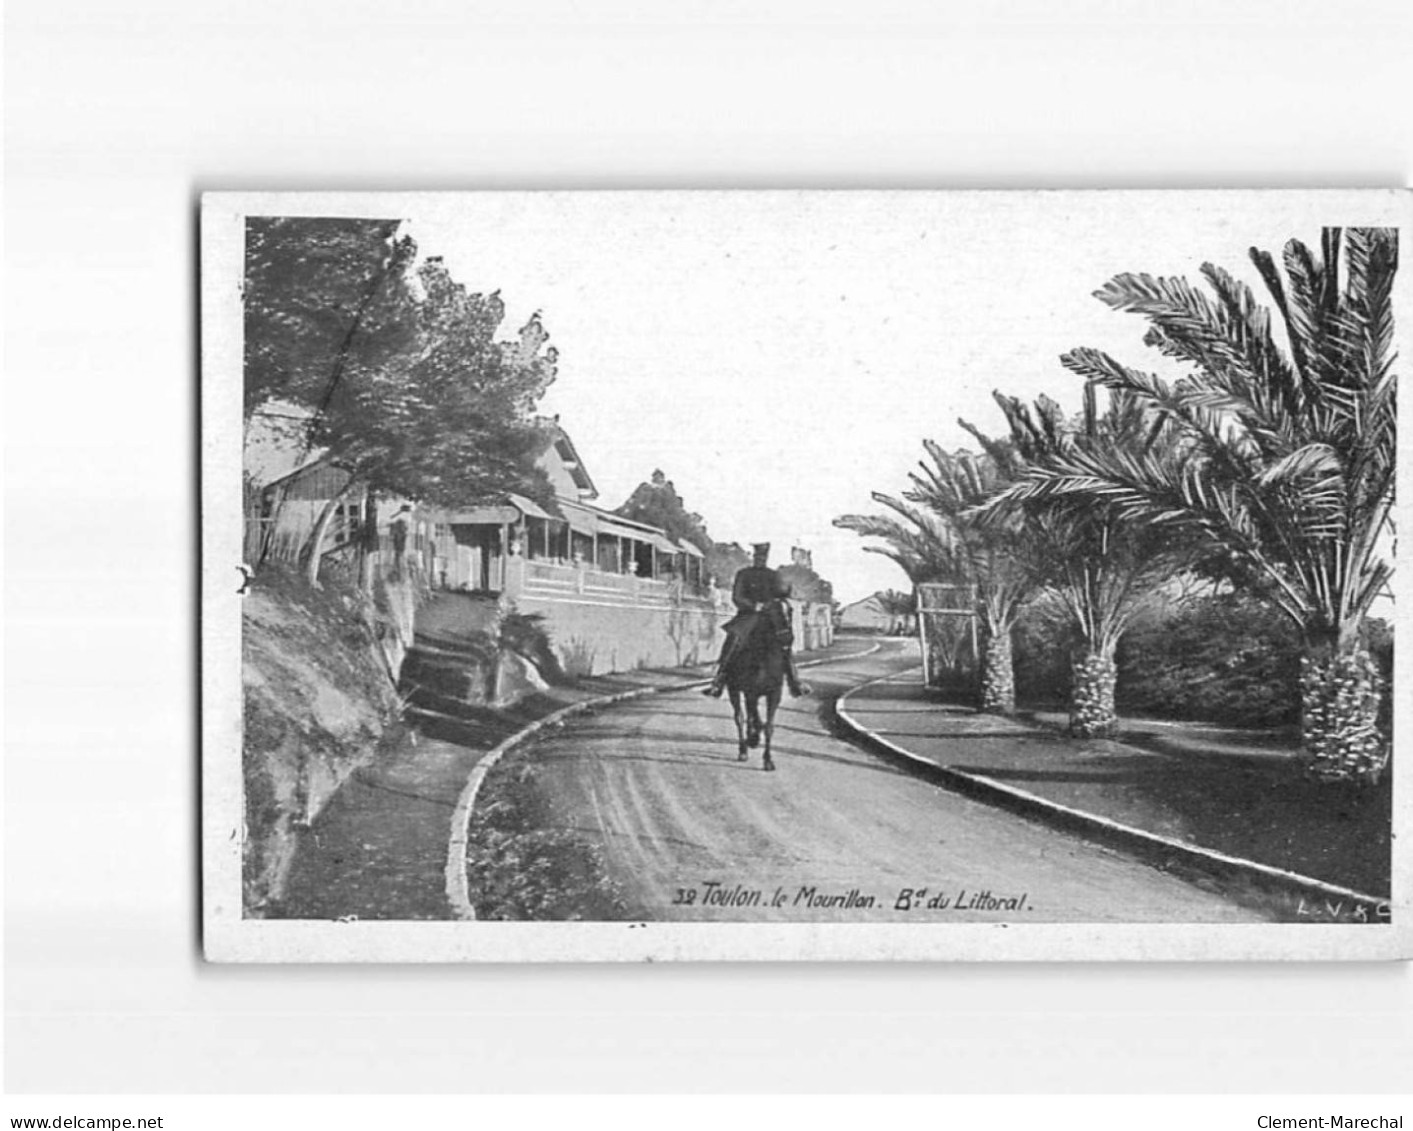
(604, 576)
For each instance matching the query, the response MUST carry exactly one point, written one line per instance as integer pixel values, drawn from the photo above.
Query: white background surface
(119, 115)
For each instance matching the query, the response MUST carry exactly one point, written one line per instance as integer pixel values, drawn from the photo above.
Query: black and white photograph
(800, 574)
(706, 564)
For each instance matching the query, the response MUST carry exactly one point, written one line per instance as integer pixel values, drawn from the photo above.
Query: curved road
(836, 834)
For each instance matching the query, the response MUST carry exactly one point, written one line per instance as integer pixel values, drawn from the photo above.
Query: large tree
(1099, 564)
(805, 584)
(406, 383)
(1286, 454)
(451, 423)
(657, 503)
(321, 294)
(724, 560)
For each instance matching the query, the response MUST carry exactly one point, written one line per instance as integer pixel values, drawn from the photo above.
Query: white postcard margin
(229, 937)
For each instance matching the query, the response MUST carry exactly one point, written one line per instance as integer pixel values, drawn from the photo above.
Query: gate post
(944, 599)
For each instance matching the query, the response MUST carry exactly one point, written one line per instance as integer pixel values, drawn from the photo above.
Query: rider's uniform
(757, 591)
(754, 587)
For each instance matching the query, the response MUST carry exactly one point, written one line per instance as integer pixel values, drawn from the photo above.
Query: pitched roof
(563, 447)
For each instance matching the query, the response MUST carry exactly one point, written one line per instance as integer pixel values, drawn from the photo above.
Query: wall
(602, 622)
(594, 637)
(814, 626)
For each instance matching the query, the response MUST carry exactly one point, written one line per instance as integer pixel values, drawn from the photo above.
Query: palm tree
(992, 557)
(900, 608)
(922, 546)
(1100, 566)
(927, 548)
(1285, 455)
(935, 537)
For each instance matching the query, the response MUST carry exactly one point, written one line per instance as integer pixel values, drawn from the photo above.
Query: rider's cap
(761, 547)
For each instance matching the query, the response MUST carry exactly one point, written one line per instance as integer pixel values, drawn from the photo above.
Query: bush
(1042, 647)
(1225, 658)
(526, 862)
(1221, 658)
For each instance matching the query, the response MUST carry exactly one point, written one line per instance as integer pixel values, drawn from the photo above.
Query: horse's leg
(772, 702)
(740, 724)
(753, 723)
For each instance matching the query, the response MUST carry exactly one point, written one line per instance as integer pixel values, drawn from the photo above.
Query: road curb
(1153, 848)
(458, 884)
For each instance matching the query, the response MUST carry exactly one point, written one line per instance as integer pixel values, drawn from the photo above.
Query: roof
(613, 529)
(871, 601)
(528, 507)
(510, 509)
(318, 459)
(482, 516)
(594, 520)
(597, 521)
(563, 447)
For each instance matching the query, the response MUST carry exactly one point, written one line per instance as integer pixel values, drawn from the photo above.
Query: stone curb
(458, 885)
(1153, 848)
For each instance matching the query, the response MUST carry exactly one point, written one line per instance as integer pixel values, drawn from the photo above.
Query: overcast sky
(782, 355)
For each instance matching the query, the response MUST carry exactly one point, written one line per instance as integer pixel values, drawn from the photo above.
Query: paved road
(835, 835)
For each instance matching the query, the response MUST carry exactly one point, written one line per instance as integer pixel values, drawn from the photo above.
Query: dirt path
(835, 835)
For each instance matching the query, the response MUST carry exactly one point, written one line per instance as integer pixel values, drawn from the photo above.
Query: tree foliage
(1099, 563)
(1100, 567)
(900, 608)
(936, 532)
(451, 423)
(1225, 657)
(320, 294)
(657, 503)
(995, 556)
(726, 559)
(921, 544)
(805, 584)
(1282, 459)
(1286, 456)
(407, 384)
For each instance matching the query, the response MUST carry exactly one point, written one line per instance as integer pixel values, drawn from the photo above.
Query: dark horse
(756, 671)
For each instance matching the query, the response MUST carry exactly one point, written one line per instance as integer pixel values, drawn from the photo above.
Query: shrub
(524, 862)
(1224, 658)
(1042, 646)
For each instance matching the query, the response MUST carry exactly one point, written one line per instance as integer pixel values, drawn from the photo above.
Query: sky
(782, 355)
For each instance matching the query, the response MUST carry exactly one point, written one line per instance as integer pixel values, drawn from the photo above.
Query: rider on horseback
(758, 591)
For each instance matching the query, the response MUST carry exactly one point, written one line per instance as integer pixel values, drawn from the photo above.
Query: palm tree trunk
(1340, 692)
(998, 677)
(1092, 713)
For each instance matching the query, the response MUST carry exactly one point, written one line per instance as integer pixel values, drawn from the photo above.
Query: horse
(755, 671)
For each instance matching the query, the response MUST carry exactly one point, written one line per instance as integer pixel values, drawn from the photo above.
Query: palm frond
(1286, 462)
